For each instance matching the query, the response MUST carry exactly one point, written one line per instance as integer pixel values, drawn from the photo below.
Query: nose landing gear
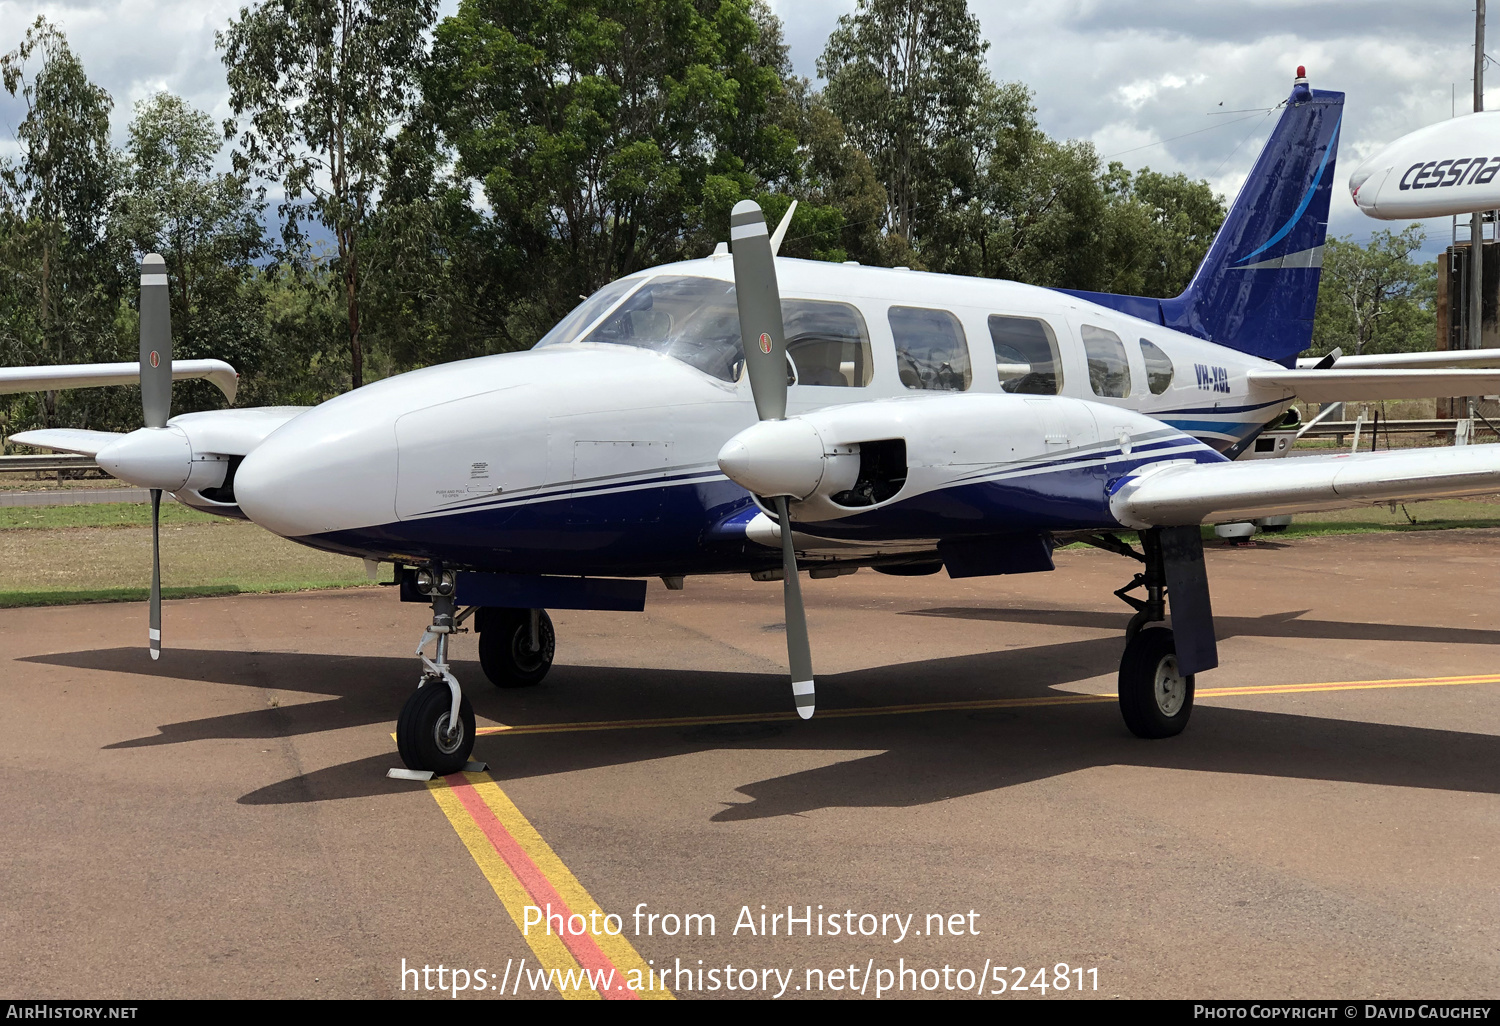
(435, 730)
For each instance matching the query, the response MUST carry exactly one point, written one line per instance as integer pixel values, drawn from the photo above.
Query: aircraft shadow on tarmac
(919, 758)
(1272, 625)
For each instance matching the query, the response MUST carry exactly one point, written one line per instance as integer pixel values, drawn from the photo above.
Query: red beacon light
(1301, 71)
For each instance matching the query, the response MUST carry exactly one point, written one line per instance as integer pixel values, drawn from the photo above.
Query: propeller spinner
(764, 340)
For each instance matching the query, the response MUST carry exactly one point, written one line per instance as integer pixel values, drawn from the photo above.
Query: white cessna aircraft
(749, 414)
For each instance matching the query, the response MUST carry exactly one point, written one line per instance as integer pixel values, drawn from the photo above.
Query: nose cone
(775, 457)
(149, 458)
(331, 469)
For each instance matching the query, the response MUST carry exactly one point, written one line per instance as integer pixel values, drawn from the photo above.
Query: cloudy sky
(1143, 80)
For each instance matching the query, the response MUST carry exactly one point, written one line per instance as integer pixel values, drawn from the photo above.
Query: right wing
(93, 375)
(1172, 494)
(1423, 361)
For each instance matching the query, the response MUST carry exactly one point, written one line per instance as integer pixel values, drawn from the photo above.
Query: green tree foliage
(907, 79)
(322, 84)
(1375, 298)
(607, 135)
(60, 273)
(207, 226)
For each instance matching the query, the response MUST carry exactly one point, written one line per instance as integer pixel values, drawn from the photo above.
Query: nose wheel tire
(423, 733)
(506, 653)
(1155, 698)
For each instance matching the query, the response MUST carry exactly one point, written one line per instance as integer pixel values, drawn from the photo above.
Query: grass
(56, 555)
(105, 514)
(65, 555)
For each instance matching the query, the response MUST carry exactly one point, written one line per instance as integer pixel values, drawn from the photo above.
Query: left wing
(1174, 494)
(1337, 384)
(94, 375)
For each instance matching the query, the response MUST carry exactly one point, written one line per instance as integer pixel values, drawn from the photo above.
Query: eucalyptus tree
(907, 80)
(320, 86)
(55, 255)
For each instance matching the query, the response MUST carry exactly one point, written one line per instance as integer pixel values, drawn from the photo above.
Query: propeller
(156, 404)
(764, 340)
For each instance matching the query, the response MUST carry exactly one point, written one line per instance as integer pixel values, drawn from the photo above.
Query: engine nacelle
(844, 460)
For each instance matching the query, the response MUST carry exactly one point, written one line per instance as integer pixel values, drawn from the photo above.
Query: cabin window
(1109, 369)
(1158, 367)
(587, 312)
(1025, 355)
(828, 343)
(931, 350)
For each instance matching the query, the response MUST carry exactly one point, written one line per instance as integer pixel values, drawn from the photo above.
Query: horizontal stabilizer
(1174, 494)
(84, 443)
(1438, 358)
(94, 375)
(1368, 384)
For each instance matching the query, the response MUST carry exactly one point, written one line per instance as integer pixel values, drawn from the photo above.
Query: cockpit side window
(931, 350)
(1159, 368)
(1025, 355)
(827, 342)
(586, 313)
(1109, 368)
(692, 319)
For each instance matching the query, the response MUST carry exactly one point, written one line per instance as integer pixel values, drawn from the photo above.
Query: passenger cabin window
(931, 350)
(1158, 367)
(828, 343)
(1025, 355)
(1109, 369)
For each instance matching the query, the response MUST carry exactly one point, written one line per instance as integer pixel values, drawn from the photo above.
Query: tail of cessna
(1257, 289)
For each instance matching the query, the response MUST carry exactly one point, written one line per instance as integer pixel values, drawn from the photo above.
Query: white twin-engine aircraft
(749, 414)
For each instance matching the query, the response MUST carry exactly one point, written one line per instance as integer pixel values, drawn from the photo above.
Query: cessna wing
(94, 375)
(1177, 494)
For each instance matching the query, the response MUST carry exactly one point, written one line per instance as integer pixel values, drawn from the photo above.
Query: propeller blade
(154, 625)
(759, 301)
(156, 342)
(798, 651)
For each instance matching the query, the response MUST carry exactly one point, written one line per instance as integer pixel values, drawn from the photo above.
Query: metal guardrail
(47, 464)
(1429, 427)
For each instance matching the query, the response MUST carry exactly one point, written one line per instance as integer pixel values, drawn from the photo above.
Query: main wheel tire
(504, 654)
(422, 727)
(1155, 699)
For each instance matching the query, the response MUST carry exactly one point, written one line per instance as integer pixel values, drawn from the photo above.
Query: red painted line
(583, 947)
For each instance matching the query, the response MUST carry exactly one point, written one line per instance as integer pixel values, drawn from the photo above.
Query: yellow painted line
(619, 950)
(548, 949)
(987, 703)
(524, 871)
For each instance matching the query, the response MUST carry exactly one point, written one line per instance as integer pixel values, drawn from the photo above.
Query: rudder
(1257, 289)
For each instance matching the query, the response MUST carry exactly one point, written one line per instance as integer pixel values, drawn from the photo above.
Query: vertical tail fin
(1257, 288)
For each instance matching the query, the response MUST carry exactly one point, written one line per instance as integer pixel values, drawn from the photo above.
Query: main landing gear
(1156, 681)
(435, 731)
(515, 646)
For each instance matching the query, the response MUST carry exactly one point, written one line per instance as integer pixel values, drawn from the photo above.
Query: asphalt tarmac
(219, 824)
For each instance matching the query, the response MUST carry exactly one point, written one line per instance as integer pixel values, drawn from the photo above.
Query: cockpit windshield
(697, 321)
(693, 319)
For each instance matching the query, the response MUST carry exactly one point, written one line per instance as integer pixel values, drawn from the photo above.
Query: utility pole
(1475, 338)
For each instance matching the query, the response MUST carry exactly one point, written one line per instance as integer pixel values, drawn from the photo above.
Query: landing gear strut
(436, 728)
(1156, 682)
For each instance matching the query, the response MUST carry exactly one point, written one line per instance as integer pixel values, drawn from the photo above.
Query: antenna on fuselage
(780, 232)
